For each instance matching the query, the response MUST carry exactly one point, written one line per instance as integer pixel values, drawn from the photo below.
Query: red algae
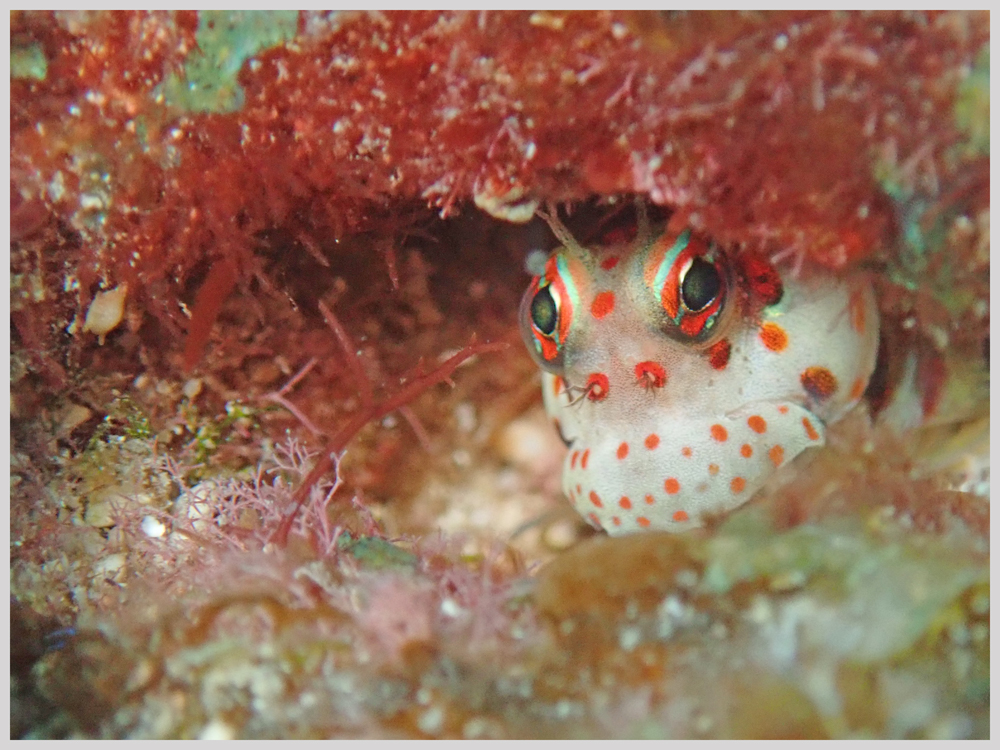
(765, 128)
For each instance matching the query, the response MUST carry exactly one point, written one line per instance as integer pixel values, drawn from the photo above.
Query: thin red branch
(372, 411)
(361, 381)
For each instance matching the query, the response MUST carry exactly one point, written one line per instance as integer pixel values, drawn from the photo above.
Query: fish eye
(544, 311)
(684, 281)
(700, 285)
(542, 326)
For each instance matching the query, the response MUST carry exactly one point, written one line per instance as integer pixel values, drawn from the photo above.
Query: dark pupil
(700, 286)
(543, 311)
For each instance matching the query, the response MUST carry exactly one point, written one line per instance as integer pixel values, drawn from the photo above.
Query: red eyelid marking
(691, 324)
(557, 286)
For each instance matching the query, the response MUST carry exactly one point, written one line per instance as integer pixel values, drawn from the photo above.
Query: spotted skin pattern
(676, 403)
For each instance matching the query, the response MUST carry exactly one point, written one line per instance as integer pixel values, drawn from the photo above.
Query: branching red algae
(769, 128)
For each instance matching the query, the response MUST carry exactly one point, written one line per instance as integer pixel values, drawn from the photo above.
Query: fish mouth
(671, 479)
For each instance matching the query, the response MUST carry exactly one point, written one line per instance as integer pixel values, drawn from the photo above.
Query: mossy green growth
(210, 433)
(972, 107)
(124, 421)
(28, 62)
(226, 39)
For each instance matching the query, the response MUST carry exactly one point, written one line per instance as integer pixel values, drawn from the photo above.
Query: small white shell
(106, 312)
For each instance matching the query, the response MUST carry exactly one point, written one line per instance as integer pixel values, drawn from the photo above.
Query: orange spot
(672, 486)
(745, 450)
(818, 382)
(616, 520)
(642, 521)
(594, 520)
(625, 503)
(652, 441)
(650, 375)
(602, 305)
(719, 433)
(597, 386)
(782, 409)
(857, 388)
(622, 451)
(777, 455)
(774, 337)
(572, 459)
(738, 485)
(680, 516)
(650, 499)
(686, 452)
(579, 490)
(758, 424)
(596, 500)
(608, 263)
(713, 469)
(718, 354)
(557, 385)
(585, 458)
(810, 430)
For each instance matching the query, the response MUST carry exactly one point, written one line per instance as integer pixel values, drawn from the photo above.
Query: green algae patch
(28, 62)
(376, 554)
(972, 108)
(225, 41)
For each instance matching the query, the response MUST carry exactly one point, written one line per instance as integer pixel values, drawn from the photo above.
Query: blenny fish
(682, 374)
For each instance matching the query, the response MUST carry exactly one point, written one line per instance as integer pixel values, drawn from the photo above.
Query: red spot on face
(774, 337)
(719, 433)
(686, 452)
(758, 424)
(572, 459)
(610, 262)
(782, 409)
(745, 450)
(642, 521)
(777, 455)
(597, 386)
(738, 485)
(672, 486)
(650, 499)
(625, 503)
(810, 430)
(602, 305)
(762, 279)
(594, 520)
(713, 469)
(596, 499)
(718, 354)
(622, 451)
(579, 490)
(650, 375)
(616, 520)
(652, 441)
(818, 382)
(557, 385)
(680, 515)
(584, 458)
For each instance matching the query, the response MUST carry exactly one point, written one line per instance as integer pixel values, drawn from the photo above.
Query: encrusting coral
(291, 230)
